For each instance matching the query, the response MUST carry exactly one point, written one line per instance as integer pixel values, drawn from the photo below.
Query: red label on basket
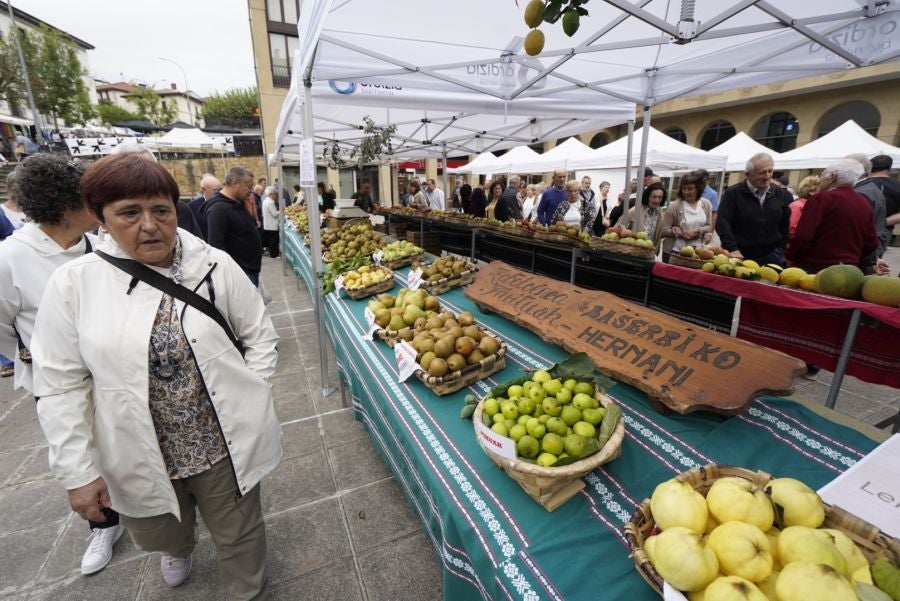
(406, 361)
(501, 445)
(414, 279)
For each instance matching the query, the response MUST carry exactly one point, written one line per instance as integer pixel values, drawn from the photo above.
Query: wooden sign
(684, 367)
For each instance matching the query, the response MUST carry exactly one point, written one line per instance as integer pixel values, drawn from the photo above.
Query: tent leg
(447, 202)
(281, 218)
(628, 165)
(315, 247)
(645, 136)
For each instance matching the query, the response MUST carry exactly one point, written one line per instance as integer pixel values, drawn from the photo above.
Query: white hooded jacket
(27, 260)
(90, 350)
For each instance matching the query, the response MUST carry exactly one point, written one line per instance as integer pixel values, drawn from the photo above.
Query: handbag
(143, 273)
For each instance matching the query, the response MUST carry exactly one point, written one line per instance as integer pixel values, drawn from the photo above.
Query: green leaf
(577, 366)
(486, 420)
(609, 423)
(582, 11)
(526, 460)
(553, 11)
(565, 461)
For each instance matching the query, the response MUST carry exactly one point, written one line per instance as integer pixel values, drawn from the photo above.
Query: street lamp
(187, 90)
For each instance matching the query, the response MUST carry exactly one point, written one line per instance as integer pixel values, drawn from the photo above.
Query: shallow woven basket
(553, 486)
(443, 285)
(384, 285)
(871, 541)
(557, 238)
(404, 261)
(456, 380)
(689, 262)
(519, 232)
(630, 250)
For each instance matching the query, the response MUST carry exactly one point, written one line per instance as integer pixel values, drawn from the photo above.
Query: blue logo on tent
(346, 89)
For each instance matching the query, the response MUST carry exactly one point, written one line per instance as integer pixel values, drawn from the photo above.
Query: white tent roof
(740, 147)
(663, 152)
(508, 162)
(185, 138)
(557, 157)
(838, 143)
(473, 166)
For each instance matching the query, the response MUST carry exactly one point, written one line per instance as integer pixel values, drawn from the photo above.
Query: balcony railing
(281, 76)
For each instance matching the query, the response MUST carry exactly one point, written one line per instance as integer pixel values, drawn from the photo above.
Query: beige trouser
(235, 525)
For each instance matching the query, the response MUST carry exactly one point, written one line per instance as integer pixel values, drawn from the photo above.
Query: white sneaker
(175, 570)
(100, 549)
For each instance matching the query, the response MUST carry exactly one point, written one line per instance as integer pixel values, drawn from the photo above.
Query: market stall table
(493, 541)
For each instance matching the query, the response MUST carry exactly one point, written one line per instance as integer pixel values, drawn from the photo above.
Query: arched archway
(716, 133)
(600, 139)
(561, 140)
(866, 115)
(777, 131)
(676, 133)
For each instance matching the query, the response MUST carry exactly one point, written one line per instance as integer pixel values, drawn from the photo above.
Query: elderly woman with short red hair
(151, 358)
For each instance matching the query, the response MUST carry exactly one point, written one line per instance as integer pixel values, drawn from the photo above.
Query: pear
(852, 555)
(799, 543)
(796, 504)
(411, 313)
(742, 550)
(682, 558)
(676, 503)
(804, 580)
(738, 499)
(733, 588)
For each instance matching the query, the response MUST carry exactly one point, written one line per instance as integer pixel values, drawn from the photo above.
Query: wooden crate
(430, 241)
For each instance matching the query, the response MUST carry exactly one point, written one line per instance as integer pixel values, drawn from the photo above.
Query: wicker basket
(557, 238)
(385, 285)
(403, 262)
(553, 486)
(443, 285)
(517, 231)
(631, 250)
(689, 262)
(871, 541)
(456, 380)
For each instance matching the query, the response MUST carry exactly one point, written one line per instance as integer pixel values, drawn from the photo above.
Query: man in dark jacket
(508, 208)
(754, 215)
(209, 185)
(552, 197)
(230, 226)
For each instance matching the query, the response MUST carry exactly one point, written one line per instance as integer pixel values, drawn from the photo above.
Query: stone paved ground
(338, 525)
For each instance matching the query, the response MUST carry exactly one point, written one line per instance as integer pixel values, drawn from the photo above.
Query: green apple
(570, 415)
(509, 423)
(541, 376)
(498, 418)
(509, 410)
(564, 396)
(584, 388)
(528, 447)
(552, 443)
(500, 429)
(570, 384)
(550, 406)
(514, 391)
(581, 401)
(525, 405)
(543, 417)
(546, 459)
(593, 416)
(536, 394)
(538, 410)
(556, 426)
(491, 406)
(522, 419)
(575, 445)
(537, 431)
(551, 387)
(585, 429)
(517, 432)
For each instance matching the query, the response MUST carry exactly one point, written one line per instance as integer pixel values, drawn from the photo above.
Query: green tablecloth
(491, 539)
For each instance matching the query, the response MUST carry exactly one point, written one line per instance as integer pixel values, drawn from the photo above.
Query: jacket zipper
(237, 484)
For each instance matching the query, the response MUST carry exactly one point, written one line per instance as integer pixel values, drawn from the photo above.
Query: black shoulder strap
(87, 245)
(187, 296)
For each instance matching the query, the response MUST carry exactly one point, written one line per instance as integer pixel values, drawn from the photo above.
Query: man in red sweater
(837, 224)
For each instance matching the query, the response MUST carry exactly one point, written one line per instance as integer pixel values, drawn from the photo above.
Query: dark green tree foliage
(111, 114)
(12, 88)
(238, 107)
(149, 107)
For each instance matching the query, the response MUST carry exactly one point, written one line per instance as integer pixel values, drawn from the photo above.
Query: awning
(16, 120)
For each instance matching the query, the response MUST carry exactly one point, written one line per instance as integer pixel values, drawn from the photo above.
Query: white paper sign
(377, 256)
(338, 285)
(406, 360)
(307, 163)
(501, 445)
(871, 488)
(670, 593)
(373, 327)
(414, 279)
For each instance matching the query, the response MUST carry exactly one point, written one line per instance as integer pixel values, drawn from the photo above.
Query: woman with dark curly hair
(56, 233)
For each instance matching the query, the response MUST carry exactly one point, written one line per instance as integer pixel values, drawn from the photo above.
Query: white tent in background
(508, 162)
(740, 147)
(838, 143)
(664, 153)
(186, 138)
(558, 157)
(485, 159)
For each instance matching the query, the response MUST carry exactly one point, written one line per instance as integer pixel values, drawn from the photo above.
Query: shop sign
(682, 366)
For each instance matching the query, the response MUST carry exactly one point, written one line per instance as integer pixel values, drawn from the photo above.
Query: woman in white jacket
(271, 214)
(147, 403)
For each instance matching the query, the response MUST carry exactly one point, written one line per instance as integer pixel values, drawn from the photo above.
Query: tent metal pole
(447, 202)
(315, 247)
(645, 139)
(281, 217)
(628, 166)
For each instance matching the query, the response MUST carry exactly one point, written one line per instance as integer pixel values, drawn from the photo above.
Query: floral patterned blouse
(183, 416)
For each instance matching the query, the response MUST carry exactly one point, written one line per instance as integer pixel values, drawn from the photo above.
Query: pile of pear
(744, 543)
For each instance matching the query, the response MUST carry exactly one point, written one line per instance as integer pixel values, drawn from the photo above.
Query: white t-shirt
(573, 215)
(17, 218)
(694, 217)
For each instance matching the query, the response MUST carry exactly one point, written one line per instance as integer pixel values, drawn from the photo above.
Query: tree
(12, 87)
(57, 78)
(149, 106)
(111, 114)
(238, 107)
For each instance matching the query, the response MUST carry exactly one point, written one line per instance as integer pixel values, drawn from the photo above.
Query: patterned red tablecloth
(807, 325)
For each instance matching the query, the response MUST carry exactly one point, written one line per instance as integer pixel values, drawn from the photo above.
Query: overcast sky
(210, 39)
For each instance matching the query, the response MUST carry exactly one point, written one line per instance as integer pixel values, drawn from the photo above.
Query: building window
(716, 133)
(164, 106)
(864, 113)
(283, 11)
(777, 131)
(281, 59)
(676, 133)
(599, 140)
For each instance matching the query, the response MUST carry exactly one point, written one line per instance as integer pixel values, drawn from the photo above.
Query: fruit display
(395, 313)
(744, 539)
(350, 240)
(446, 343)
(297, 215)
(626, 236)
(558, 229)
(397, 253)
(443, 268)
(523, 228)
(339, 266)
(366, 276)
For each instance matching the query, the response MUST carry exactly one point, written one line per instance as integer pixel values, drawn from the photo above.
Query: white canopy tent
(558, 157)
(185, 138)
(475, 165)
(740, 147)
(661, 152)
(834, 145)
(645, 52)
(506, 163)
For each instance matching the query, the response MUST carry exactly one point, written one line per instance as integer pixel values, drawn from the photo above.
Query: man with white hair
(754, 215)
(875, 196)
(434, 195)
(209, 185)
(837, 225)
